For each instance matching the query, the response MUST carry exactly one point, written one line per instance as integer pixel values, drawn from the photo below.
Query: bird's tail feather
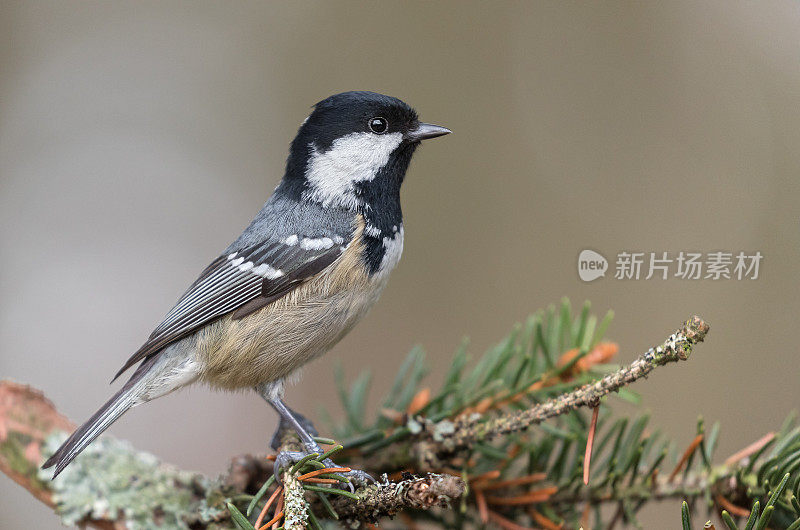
(101, 420)
(86, 433)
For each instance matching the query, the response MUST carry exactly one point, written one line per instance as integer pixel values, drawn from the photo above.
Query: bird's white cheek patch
(353, 158)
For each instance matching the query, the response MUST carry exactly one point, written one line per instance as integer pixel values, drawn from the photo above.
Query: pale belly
(275, 341)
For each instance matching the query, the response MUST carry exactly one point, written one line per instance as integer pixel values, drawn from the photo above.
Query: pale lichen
(295, 506)
(110, 480)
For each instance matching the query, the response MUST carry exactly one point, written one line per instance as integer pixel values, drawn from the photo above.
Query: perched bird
(306, 270)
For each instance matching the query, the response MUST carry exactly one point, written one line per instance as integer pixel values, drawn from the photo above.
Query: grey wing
(241, 282)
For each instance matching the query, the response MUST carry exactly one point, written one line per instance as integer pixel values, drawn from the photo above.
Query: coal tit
(306, 270)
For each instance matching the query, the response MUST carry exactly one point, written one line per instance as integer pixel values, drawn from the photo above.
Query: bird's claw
(358, 477)
(354, 476)
(286, 459)
(283, 460)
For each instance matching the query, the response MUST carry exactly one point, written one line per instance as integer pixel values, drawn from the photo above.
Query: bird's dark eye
(378, 125)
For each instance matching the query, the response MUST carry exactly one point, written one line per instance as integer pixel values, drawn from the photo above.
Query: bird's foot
(286, 459)
(294, 421)
(358, 477)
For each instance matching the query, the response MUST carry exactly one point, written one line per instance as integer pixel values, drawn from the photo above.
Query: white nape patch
(372, 230)
(356, 157)
(265, 271)
(393, 249)
(320, 243)
(291, 240)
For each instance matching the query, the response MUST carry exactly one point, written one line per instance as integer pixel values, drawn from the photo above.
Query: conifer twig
(468, 431)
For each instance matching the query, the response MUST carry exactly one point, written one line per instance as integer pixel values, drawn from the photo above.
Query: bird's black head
(353, 151)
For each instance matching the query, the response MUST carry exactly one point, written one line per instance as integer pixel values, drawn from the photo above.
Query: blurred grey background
(137, 139)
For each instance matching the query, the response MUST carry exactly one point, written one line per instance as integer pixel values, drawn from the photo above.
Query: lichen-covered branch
(27, 419)
(439, 442)
(295, 506)
(135, 490)
(388, 498)
(677, 347)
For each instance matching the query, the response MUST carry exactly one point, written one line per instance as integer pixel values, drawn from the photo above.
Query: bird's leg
(285, 426)
(298, 423)
(304, 429)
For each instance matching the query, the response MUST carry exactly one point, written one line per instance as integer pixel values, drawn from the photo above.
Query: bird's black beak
(425, 131)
